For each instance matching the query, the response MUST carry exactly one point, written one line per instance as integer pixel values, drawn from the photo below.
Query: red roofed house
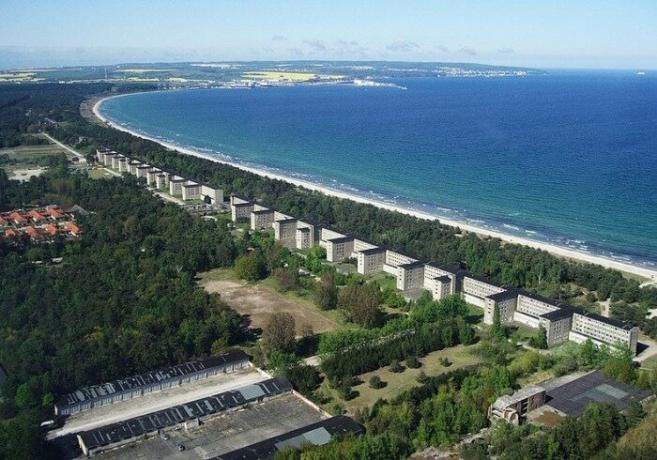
(17, 218)
(3, 222)
(72, 228)
(33, 232)
(54, 213)
(50, 229)
(11, 233)
(36, 216)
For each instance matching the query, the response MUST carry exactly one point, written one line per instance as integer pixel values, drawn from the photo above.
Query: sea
(569, 157)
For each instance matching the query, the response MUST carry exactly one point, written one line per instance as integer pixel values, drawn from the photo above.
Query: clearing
(460, 356)
(259, 300)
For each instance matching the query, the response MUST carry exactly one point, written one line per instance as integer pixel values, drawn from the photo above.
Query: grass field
(460, 356)
(259, 300)
(28, 160)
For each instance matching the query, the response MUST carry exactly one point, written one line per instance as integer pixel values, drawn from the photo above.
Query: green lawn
(460, 356)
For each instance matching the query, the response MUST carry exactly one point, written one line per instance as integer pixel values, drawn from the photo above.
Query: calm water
(569, 158)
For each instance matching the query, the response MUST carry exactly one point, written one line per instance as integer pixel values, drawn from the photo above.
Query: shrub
(413, 362)
(396, 367)
(376, 382)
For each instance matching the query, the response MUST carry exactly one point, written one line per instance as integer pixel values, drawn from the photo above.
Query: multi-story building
(513, 408)
(434, 270)
(476, 288)
(370, 260)
(162, 180)
(240, 209)
(191, 191)
(142, 170)
(305, 235)
(151, 176)
(603, 331)
(261, 217)
(394, 260)
(176, 185)
(215, 195)
(410, 276)
(123, 164)
(530, 308)
(107, 158)
(503, 302)
(285, 232)
(339, 248)
(132, 167)
(114, 160)
(439, 287)
(557, 324)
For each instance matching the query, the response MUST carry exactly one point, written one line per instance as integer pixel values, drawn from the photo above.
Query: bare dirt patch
(259, 302)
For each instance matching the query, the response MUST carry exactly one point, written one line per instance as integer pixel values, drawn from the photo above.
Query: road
(65, 147)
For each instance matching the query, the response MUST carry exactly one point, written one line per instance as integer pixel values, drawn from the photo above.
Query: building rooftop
(611, 321)
(443, 279)
(504, 295)
(563, 311)
(414, 264)
(483, 279)
(316, 434)
(538, 297)
(98, 391)
(221, 402)
(451, 268)
(262, 211)
(520, 395)
(572, 397)
(341, 239)
(370, 251)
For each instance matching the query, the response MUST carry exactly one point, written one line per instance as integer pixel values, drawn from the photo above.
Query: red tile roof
(54, 213)
(2, 221)
(17, 217)
(72, 228)
(50, 229)
(36, 215)
(33, 232)
(10, 233)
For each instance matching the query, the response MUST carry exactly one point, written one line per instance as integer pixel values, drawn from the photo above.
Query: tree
(251, 267)
(326, 296)
(376, 382)
(361, 302)
(540, 339)
(279, 333)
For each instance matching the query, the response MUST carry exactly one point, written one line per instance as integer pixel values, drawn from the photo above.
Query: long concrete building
(138, 385)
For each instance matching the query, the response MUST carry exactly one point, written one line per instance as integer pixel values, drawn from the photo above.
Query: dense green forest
(123, 300)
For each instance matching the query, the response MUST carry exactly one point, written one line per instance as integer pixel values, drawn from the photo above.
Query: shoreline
(579, 256)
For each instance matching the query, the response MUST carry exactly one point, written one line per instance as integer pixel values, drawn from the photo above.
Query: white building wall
(410, 277)
(370, 263)
(175, 186)
(216, 194)
(285, 232)
(534, 307)
(191, 191)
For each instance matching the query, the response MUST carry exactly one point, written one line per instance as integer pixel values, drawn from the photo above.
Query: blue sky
(541, 33)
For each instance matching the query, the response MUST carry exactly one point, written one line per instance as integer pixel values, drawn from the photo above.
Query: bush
(422, 378)
(445, 362)
(413, 362)
(396, 367)
(376, 382)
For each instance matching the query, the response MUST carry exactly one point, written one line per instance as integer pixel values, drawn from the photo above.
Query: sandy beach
(645, 272)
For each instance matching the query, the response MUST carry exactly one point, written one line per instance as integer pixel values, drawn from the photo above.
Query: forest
(123, 300)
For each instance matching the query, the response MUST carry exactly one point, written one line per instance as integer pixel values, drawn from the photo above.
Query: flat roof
(262, 211)
(561, 312)
(523, 393)
(602, 319)
(451, 268)
(148, 378)
(341, 239)
(573, 397)
(538, 297)
(285, 220)
(483, 279)
(376, 250)
(415, 264)
(504, 295)
(242, 204)
(175, 415)
(443, 278)
(317, 434)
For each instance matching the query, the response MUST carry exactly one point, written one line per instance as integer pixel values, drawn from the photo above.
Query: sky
(538, 33)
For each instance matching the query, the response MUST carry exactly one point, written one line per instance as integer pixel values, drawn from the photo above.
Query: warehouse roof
(148, 378)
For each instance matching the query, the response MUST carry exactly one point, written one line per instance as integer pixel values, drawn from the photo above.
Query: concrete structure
(132, 166)
(603, 331)
(123, 164)
(189, 414)
(162, 181)
(107, 158)
(136, 386)
(434, 270)
(557, 325)
(370, 260)
(190, 190)
(100, 155)
(142, 170)
(339, 248)
(151, 176)
(410, 276)
(475, 289)
(175, 185)
(305, 235)
(240, 209)
(215, 195)
(285, 232)
(504, 303)
(261, 217)
(115, 160)
(513, 408)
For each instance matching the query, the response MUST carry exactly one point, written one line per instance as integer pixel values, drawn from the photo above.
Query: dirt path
(258, 302)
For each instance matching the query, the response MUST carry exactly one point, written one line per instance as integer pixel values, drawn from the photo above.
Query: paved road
(65, 147)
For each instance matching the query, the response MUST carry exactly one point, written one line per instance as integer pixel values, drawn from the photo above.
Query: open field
(460, 356)
(259, 300)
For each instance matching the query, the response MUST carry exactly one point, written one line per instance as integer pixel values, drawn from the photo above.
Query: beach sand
(638, 270)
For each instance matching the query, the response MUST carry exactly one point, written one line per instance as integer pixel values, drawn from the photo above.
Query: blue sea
(568, 157)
